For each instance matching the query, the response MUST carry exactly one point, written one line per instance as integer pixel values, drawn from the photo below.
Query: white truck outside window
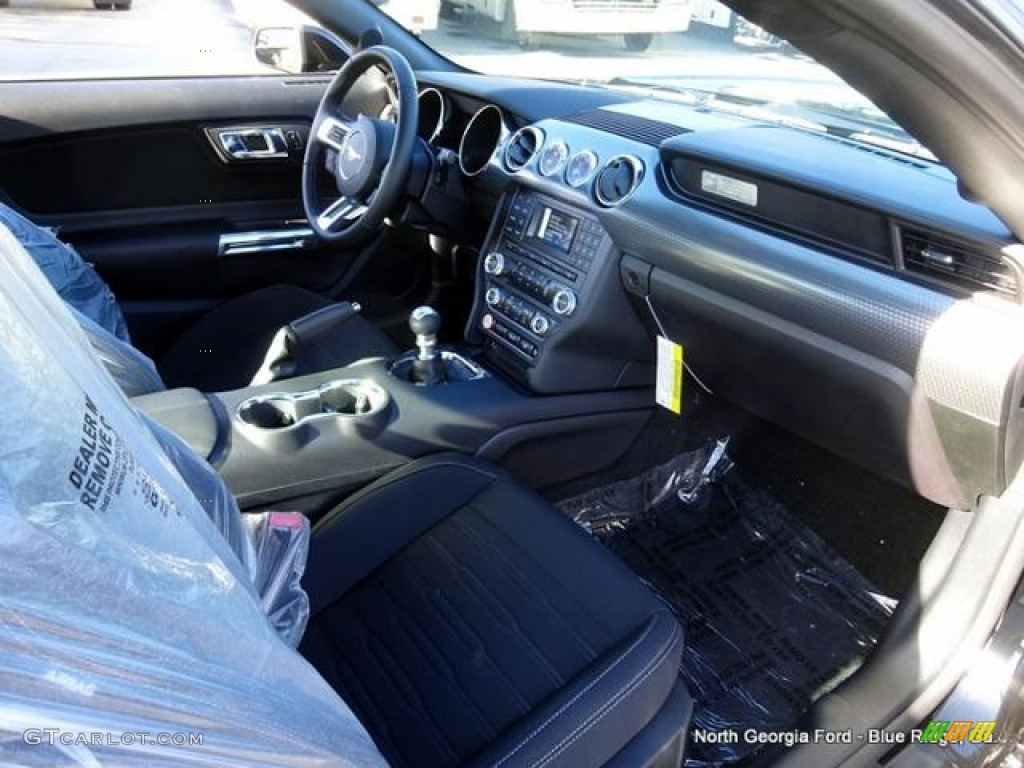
(636, 20)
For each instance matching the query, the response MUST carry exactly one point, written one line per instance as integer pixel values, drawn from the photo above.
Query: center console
(277, 443)
(549, 308)
(549, 318)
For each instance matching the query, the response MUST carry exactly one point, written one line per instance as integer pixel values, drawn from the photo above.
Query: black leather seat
(468, 622)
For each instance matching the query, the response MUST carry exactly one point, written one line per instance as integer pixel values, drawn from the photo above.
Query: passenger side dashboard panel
(795, 303)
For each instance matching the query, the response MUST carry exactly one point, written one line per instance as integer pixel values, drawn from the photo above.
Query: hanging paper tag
(668, 391)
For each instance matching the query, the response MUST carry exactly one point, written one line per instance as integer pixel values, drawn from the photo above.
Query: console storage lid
(190, 415)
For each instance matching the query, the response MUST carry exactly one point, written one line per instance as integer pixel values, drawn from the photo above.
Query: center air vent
(522, 147)
(972, 268)
(618, 179)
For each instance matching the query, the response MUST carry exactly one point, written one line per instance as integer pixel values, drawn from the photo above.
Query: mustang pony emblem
(351, 154)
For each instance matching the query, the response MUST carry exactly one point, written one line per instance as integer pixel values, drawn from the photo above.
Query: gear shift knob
(427, 366)
(424, 321)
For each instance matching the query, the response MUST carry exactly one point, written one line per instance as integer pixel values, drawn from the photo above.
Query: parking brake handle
(283, 355)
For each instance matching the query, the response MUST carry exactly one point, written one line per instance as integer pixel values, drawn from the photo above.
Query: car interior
(693, 418)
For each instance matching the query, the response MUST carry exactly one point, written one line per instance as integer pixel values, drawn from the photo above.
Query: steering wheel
(369, 158)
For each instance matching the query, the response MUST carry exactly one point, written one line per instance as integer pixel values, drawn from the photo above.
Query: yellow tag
(668, 391)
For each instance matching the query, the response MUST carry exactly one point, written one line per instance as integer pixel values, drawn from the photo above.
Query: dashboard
(843, 291)
(846, 293)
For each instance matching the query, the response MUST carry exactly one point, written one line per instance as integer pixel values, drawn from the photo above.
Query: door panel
(39, 110)
(129, 172)
(163, 166)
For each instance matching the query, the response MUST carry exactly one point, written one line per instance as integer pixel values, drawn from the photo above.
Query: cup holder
(300, 416)
(269, 413)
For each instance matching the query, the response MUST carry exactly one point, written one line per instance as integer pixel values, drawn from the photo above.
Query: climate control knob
(493, 297)
(494, 263)
(563, 301)
(540, 325)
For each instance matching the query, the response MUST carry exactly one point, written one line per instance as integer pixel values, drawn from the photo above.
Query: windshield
(696, 51)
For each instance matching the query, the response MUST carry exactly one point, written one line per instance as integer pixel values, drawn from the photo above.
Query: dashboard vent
(618, 179)
(969, 268)
(522, 147)
(650, 132)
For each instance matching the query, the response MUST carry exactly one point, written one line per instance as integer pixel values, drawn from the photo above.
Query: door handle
(254, 143)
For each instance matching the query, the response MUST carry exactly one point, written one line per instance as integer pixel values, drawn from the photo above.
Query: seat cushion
(224, 348)
(465, 620)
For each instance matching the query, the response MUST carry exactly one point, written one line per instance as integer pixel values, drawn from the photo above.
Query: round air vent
(481, 139)
(618, 180)
(522, 147)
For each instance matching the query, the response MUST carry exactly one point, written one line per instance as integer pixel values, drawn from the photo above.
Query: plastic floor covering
(773, 617)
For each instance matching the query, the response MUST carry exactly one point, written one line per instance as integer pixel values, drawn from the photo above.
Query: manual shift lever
(427, 367)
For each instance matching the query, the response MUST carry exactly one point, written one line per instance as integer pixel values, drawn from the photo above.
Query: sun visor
(130, 631)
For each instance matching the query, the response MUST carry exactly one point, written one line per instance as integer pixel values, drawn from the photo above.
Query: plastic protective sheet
(773, 618)
(133, 372)
(272, 546)
(129, 628)
(91, 301)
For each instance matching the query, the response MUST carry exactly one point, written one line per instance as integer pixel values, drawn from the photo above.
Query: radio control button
(563, 302)
(494, 263)
(493, 297)
(487, 322)
(540, 325)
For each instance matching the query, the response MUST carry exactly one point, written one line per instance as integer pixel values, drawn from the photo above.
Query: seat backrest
(122, 606)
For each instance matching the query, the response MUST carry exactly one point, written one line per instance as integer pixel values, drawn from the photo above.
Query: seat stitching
(604, 673)
(499, 554)
(597, 619)
(527, 641)
(637, 681)
(388, 671)
(457, 688)
(332, 517)
(369, 493)
(355, 687)
(523, 699)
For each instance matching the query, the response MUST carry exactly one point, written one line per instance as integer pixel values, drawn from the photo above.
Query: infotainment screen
(555, 228)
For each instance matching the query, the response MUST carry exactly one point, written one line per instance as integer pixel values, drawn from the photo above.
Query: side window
(85, 39)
